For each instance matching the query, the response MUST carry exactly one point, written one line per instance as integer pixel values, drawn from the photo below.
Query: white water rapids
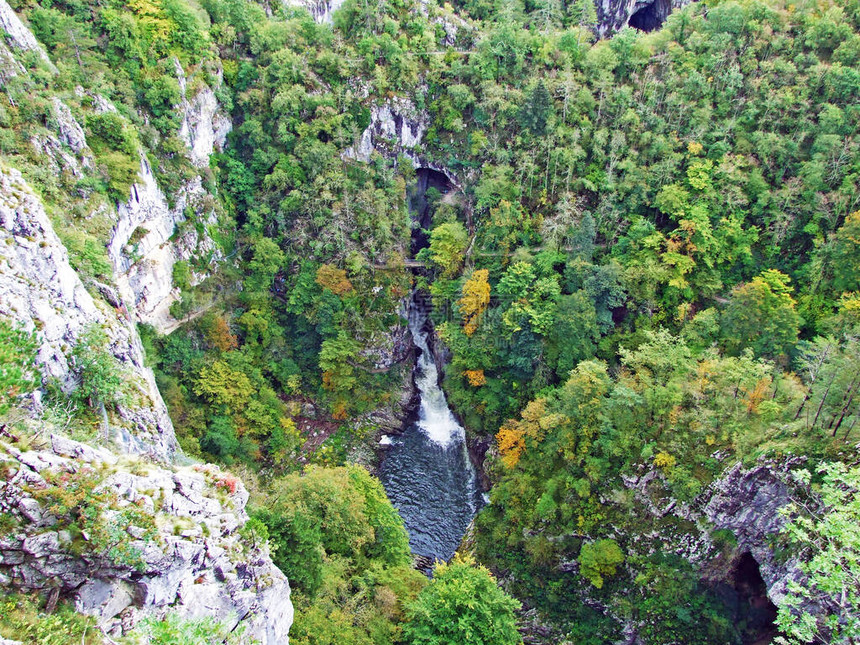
(426, 471)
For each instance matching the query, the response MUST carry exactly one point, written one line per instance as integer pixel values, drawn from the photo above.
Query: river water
(426, 471)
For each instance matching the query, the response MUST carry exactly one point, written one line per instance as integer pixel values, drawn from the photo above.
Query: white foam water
(434, 416)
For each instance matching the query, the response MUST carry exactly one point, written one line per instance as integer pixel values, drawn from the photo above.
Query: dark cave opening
(422, 198)
(651, 16)
(756, 612)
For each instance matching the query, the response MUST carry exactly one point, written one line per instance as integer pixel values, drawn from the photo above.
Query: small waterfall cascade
(435, 418)
(426, 471)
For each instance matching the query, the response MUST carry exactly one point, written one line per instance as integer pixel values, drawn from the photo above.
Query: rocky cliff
(158, 540)
(144, 245)
(123, 530)
(728, 533)
(646, 15)
(41, 292)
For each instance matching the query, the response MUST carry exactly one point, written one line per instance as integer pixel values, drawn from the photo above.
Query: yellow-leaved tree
(476, 298)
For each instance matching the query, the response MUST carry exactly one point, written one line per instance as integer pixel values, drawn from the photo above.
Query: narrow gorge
(407, 322)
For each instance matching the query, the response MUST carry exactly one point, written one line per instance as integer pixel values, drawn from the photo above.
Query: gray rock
(321, 10)
(747, 502)
(42, 545)
(102, 598)
(614, 15)
(19, 35)
(69, 129)
(197, 573)
(82, 452)
(144, 267)
(39, 290)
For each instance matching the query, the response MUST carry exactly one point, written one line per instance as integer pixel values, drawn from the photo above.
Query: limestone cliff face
(647, 15)
(397, 127)
(144, 246)
(743, 504)
(199, 562)
(19, 36)
(40, 291)
(746, 501)
(321, 10)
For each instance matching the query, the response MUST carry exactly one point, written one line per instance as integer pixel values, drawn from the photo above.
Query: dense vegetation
(650, 263)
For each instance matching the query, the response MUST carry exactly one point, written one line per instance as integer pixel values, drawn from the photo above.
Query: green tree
(761, 315)
(100, 379)
(846, 255)
(462, 605)
(329, 512)
(535, 112)
(448, 243)
(599, 559)
(827, 536)
(17, 354)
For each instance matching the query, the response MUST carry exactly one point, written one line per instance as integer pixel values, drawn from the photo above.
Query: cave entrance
(422, 198)
(651, 16)
(757, 612)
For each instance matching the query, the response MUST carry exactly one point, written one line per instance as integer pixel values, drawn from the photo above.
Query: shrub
(462, 604)
(23, 618)
(17, 354)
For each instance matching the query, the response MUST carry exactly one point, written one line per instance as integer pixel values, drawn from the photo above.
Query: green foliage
(97, 521)
(448, 242)
(346, 553)
(99, 374)
(826, 534)
(640, 205)
(599, 559)
(360, 523)
(462, 604)
(761, 315)
(23, 619)
(846, 253)
(17, 357)
(536, 111)
(173, 630)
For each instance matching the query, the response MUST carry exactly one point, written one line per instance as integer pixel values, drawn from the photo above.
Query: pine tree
(536, 111)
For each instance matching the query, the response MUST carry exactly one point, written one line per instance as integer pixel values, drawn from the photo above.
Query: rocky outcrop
(140, 249)
(734, 520)
(321, 10)
(70, 131)
(9, 67)
(647, 15)
(144, 246)
(40, 291)
(64, 149)
(19, 36)
(397, 128)
(204, 128)
(185, 550)
(747, 503)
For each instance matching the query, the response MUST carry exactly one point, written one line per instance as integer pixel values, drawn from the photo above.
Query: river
(426, 471)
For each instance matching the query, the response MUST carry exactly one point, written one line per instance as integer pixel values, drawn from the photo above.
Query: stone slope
(199, 562)
(41, 292)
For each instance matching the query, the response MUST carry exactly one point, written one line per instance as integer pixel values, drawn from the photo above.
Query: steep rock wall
(746, 501)
(396, 128)
(40, 291)
(19, 35)
(321, 10)
(198, 565)
(144, 268)
(743, 504)
(614, 15)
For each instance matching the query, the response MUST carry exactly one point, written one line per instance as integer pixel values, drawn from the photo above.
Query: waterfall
(426, 471)
(434, 416)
